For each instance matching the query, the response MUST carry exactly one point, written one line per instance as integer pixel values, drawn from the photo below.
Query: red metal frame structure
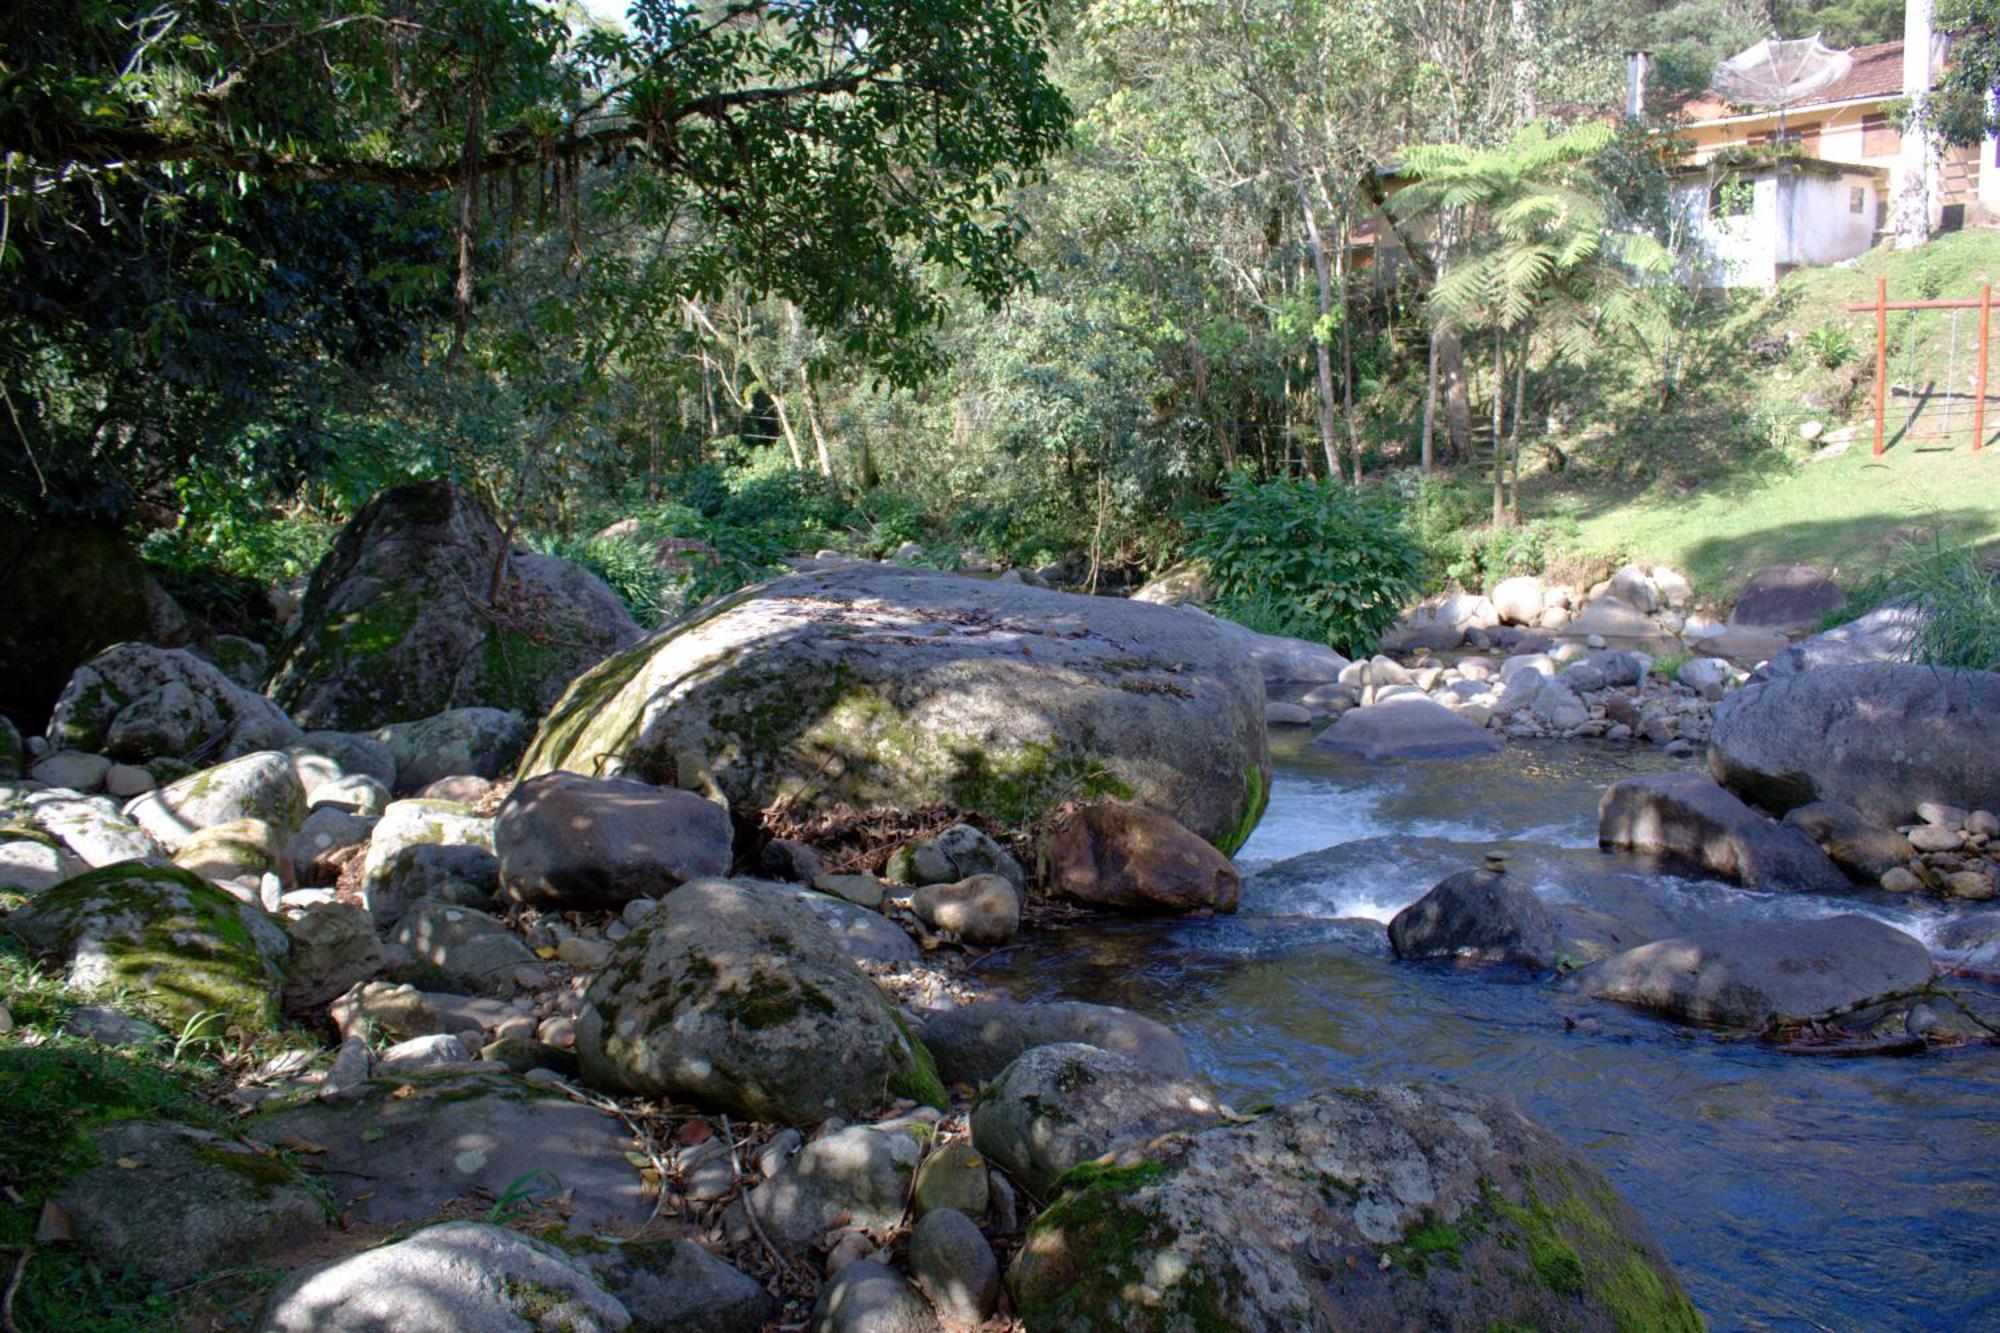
(1882, 305)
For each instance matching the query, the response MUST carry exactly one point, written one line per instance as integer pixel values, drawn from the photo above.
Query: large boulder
(1687, 818)
(566, 841)
(974, 1042)
(72, 588)
(135, 702)
(456, 1277)
(1518, 600)
(1886, 634)
(173, 1201)
(872, 686)
(172, 944)
(1485, 916)
(1117, 854)
(1768, 972)
(1418, 1207)
(736, 997)
(1059, 1105)
(1406, 726)
(1789, 599)
(1882, 738)
(467, 948)
(397, 622)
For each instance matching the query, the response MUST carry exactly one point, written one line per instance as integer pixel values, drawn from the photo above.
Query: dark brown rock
(1118, 854)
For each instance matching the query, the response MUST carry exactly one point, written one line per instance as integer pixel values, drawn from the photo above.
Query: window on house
(1731, 198)
(1857, 199)
(1879, 138)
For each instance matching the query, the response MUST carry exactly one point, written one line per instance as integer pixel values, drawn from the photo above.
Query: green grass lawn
(1697, 497)
(1843, 515)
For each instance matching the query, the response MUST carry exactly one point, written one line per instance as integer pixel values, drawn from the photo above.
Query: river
(1791, 1193)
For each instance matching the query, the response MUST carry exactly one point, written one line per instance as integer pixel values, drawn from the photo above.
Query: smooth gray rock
(457, 1277)
(1408, 726)
(109, 1027)
(862, 933)
(1767, 972)
(871, 1297)
(1882, 738)
(405, 826)
(467, 947)
(976, 1042)
(1864, 849)
(393, 625)
(859, 1175)
(31, 861)
(731, 995)
(74, 769)
(313, 853)
(334, 948)
(1886, 634)
(954, 1176)
(481, 742)
(416, 1053)
(192, 1201)
(982, 911)
(1241, 1227)
(1059, 1105)
(356, 794)
(1787, 598)
(950, 1262)
(676, 1286)
(394, 1156)
(566, 841)
(91, 828)
(1481, 915)
(356, 753)
(928, 688)
(255, 786)
(1687, 817)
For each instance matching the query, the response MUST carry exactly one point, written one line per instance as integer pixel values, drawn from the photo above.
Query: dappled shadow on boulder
(419, 608)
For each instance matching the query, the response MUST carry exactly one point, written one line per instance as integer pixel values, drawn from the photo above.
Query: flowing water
(1791, 1193)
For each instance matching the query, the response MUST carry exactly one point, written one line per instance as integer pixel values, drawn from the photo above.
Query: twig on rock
(736, 1165)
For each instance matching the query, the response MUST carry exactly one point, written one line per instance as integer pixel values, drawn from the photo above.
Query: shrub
(1960, 598)
(624, 563)
(1831, 346)
(1319, 559)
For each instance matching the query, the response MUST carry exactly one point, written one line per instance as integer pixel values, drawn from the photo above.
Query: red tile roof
(1877, 72)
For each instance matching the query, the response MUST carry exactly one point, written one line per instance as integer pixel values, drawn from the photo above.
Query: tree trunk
(1322, 353)
(1430, 406)
(821, 449)
(1499, 438)
(1457, 399)
(1514, 438)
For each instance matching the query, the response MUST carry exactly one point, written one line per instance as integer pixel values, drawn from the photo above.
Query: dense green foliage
(1313, 559)
(1958, 594)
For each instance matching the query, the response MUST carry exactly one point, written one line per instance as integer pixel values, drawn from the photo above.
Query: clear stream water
(1791, 1193)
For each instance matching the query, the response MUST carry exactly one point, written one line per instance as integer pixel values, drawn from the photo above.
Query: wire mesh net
(1774, 73)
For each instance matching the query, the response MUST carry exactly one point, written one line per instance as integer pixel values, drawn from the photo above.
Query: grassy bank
(1717, 480)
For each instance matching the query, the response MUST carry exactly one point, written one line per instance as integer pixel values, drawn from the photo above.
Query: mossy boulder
(73, 588)
(90, 827)
(137, 702)
(738, 998)
(261, 786)
(231, 851)
(398, 622)
(173, 1201)
(880, 686)
(172, 944)
(1396, 1207)
(459, 742)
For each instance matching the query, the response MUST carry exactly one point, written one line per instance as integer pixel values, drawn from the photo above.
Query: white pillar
(1916, 211)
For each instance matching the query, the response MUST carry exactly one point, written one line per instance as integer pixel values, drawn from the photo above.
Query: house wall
(1795, 218)
(1815, 219)
(1736, 251)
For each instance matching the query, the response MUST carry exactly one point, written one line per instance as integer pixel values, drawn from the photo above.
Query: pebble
(1901, 879)
(420, 1052)
(558, 1030)
(1942, 815)
(1935, 838)
(638, 910)
(583, 954)
(852, 1247)
(711, 1180)
(771, 1158)
(1983, 823)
